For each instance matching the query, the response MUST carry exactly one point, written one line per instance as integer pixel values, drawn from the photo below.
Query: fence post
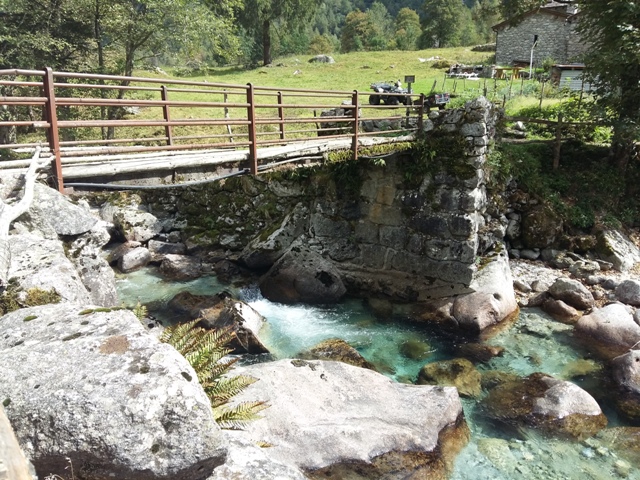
(421, 114)
(281, 115)
(356, 124)
(167, 116)
(52, 119)
(558, 143)
(251, 116)
(227, 116)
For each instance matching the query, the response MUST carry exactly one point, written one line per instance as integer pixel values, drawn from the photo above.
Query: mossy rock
(541, 227)
(338, 350)
(459, 373)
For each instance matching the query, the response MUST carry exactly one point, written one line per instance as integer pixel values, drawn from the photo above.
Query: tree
(259, 17)
(357, 28)
(381, 24)
(442, 23)
(612, 29)
(407, 29)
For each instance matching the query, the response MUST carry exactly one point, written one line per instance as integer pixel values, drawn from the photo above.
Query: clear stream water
(535, 343)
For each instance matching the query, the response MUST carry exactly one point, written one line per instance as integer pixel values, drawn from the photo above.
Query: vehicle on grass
(389, 93)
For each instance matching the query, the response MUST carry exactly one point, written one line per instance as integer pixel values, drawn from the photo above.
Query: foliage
(612, 28)
(584, 190)
(573, 110)
(140, 311)
(206, 352)
(442, 26)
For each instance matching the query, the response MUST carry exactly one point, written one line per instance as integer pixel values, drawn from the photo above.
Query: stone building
(551, 28)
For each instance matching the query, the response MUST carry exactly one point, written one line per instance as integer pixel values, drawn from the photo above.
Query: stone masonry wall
(514, 43)
(406, 228)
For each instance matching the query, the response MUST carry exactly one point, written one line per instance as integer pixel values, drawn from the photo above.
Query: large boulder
(50, 210)
(626, 373)
(609, 331)
(136, 225)
(41, 263)
(572, 292)
(134, 259)
(90, 386)
(337, 421)
(617, 248)
(493, 300)
(540, 401)
(180, 267)
(269, 246)
(302, 276)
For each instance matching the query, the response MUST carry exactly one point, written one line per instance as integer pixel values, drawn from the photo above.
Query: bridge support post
(281, 114)
(53, 135)
(356, 124)
(251, 116)
(421, 114)
(167, 117)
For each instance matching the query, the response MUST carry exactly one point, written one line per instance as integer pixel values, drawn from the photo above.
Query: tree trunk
(8, 213)
(266, 42)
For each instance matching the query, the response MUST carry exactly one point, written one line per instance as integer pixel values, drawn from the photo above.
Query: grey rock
(351, 417)
(136, 225)
(610, 283)
(322, 59)
(628, 292)
(521, 286)
(584, 268)
(529, 254)
(572, 292)
(493, 300)
(181, 267)
(609, 331)
(626, 373)
(121, 403)
(40, 263)
(263, 252)
(134, 259)
(51, 209)
(616, 248)
(159, 249)
(301, 275)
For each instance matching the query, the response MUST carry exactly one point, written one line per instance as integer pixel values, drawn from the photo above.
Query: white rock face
(493, 300)
(97, 388)
(40, 263)
(616, 248)
(326, 413)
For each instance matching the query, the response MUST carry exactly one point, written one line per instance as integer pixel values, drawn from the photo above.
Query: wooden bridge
(109, 128)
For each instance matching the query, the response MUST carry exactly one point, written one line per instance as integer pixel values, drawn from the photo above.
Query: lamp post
(535, 41)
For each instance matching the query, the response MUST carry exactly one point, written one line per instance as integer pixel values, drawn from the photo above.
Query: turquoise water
(535, 343)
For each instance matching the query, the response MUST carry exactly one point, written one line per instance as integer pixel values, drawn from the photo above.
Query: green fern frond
(225, 388)
(206, 351)
(238, 416)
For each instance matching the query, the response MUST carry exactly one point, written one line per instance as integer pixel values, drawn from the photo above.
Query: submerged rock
(415, 349)
(338, 350)
(90, 385)
(459, 373)
(336, 421)
(609, 331)
(302, 276)
(541, 401)
(479, 352)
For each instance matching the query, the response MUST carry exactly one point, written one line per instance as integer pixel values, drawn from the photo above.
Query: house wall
(514, 43)
(576, 47)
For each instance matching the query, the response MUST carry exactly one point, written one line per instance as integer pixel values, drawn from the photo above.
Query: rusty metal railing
(82, 114)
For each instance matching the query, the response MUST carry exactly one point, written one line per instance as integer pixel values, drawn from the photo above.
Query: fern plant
(206, 351)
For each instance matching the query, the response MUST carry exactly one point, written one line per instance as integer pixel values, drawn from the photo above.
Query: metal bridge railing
(82, 114)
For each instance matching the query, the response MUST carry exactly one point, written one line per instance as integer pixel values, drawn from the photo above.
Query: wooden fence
(79, 114)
